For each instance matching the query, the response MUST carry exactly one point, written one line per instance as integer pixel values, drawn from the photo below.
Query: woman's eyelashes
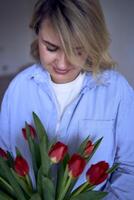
(77, 52)
(52, 49)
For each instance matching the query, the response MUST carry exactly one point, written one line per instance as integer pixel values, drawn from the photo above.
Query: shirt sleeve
(121, 183)
(4, 123)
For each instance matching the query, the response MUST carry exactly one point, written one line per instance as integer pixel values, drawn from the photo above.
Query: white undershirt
(66, 93)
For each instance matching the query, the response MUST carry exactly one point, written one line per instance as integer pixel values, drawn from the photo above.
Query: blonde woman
(75, 90)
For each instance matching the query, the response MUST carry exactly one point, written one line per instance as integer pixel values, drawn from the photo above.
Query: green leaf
(90, 195)
(18, 153)
(35, 197)
(32, 150)
(45, 160)
(37, 154)
(6, 186)
(48, 189)
(22, 183)
(4, 196)
(2, 173)
(39, 182)
(54, 140)
(61, 174)
(41, 132)
(10, 160)
(96, 145)
(43, 145)
(82, 146)
(11, 179)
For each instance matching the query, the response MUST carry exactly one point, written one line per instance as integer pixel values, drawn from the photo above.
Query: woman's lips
(59, 71)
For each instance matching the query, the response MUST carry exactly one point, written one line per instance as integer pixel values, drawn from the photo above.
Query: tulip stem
(28, 182)
(64, 181)
(82, 188)
(65, 177)
(65, 189)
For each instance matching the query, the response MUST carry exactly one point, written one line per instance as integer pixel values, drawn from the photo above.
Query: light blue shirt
(104, 107)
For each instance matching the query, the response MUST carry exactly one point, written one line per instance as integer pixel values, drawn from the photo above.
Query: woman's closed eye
(49, 46)
(52, 49)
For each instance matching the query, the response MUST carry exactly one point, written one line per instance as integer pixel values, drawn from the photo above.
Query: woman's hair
(77, 21)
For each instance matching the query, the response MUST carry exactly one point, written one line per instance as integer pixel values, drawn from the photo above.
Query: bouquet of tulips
(16, 183)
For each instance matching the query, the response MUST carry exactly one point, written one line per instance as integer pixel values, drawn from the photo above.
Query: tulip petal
(76, 165)
(97, 173)
(57, 152)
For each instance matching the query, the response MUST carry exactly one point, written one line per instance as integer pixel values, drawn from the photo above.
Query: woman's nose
(63, 62)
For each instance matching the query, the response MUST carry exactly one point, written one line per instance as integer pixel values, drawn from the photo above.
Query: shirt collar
(40, 75)
(101, 79)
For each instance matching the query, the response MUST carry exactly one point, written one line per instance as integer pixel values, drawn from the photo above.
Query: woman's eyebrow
(49, 43)
(56, 46)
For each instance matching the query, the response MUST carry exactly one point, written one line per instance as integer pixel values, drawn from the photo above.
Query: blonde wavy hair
(81, 21)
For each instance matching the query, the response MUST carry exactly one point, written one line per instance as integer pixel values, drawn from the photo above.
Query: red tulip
(76, 165)
(32, 132)
(88, 149)
(3, 154)
(21, 166)
(57, 152)
(97, 173)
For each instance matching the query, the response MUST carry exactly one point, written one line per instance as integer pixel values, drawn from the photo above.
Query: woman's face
(53, 58)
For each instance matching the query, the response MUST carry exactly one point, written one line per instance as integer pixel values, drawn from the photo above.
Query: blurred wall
(120, 20)
(15, 35)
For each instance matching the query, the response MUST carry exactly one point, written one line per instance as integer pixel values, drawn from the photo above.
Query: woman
(74, 90)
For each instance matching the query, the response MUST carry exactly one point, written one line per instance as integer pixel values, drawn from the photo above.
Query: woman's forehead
(51, 35)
